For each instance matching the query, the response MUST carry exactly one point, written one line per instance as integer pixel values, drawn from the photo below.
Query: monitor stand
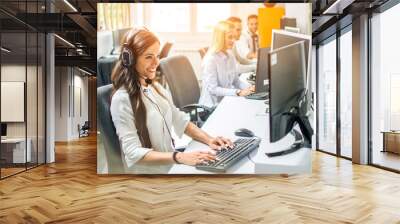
(302, 140)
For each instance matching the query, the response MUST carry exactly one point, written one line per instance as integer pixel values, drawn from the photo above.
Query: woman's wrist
(238, 92)
(210, 140)
(176, 157)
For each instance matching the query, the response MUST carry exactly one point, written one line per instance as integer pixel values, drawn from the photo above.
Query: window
(385, 87)
(205, 22)
(327, 97)
(170, 17)
(394, 102)
(346, 94)
(114, 16)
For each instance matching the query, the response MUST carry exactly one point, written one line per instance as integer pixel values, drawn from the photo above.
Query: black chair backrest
(181, 80)
(108, 136)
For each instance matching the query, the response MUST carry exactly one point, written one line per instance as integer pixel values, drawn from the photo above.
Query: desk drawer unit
(391, 142)
(14, 152)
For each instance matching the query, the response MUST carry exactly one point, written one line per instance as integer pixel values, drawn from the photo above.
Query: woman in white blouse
(221, 70)
(144, 114)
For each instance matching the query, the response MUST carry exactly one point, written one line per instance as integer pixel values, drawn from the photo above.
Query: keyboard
(228, 157)
(258, 96)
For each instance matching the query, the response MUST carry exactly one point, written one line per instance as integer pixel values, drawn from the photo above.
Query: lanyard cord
(159, 110)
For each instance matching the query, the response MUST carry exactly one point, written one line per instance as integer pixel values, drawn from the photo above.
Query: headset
(126, 56)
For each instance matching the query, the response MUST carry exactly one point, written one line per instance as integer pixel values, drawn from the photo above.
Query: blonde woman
(221, 70)
(144, 114)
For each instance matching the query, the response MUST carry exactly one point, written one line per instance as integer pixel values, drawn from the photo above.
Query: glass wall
(385, 89)
(22, 90)
(335, 94)
(327, 96)
(346, 93)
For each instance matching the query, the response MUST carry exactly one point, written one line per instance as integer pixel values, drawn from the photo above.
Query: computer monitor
(262, 70)
(287, 99)
(281, 38)
(3, 129)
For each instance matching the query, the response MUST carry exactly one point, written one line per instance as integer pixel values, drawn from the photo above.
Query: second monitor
(261, 87)
(287, 92)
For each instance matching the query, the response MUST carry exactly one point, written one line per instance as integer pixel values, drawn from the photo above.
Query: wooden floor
(387, 159)
(70, 191)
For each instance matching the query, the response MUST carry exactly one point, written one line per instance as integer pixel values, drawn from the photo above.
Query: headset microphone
(148, 81)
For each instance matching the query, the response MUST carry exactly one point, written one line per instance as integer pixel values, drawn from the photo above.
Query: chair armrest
(199, 117)
(194, 106)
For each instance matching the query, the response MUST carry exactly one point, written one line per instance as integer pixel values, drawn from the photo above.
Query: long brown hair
(137, 41)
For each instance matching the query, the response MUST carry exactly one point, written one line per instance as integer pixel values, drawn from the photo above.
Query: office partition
(22, 77)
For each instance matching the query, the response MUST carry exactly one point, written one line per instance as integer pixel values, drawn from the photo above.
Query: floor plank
(70, 191)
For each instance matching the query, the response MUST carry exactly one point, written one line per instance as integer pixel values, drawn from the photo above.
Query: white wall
(16, 73)
(302, 13)
(61, 103)
(33, 126)
(67, 115)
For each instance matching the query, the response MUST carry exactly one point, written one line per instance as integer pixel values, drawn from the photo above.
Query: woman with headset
(221, 70)
(144, 114)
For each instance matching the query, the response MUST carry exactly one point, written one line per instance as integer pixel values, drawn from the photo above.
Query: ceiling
(72, 20)
(332, 15)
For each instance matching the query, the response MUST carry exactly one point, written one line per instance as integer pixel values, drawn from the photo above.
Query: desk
(238, 112)
(13, 150)
(391, 141)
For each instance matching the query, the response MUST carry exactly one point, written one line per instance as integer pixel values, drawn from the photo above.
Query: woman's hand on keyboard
(247, 91)
(195, 158)
(219, 142)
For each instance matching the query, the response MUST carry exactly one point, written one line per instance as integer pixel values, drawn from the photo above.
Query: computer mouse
(243, 132)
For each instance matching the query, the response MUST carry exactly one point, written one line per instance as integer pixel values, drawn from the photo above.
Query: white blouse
(221, 77)
(158, 122)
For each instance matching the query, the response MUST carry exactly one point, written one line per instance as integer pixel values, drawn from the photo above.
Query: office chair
(108, 135)
(84, 129)
(203, 52)
(184, 87)
(163, 54)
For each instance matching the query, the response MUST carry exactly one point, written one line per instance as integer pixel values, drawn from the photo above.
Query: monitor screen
(281, 38)
(262, 70)
(287, 69)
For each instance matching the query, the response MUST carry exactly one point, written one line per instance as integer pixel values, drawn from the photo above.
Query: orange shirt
(268, 19)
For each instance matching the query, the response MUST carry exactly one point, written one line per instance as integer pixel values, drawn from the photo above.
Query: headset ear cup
(127, 58)
(126, 54)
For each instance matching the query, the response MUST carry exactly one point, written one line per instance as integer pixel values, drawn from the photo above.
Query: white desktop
(238, 112)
